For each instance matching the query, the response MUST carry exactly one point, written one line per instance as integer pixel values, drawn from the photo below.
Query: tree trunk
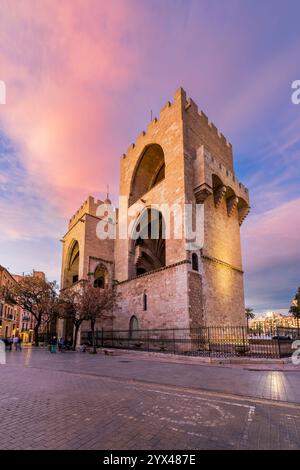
(36, 334)
(75, 336)
(93, 337)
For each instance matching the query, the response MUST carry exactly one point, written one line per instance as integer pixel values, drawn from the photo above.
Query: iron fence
(213, 341)
(291, 332)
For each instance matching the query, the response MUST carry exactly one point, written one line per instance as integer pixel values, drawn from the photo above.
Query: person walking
(18, 344)
(15, 342)
(52, 344)
(60, 345)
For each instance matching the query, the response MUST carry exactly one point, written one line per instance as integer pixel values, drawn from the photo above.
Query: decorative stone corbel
(243, 212)
(219, 193)
(202, 192)
(232, 203)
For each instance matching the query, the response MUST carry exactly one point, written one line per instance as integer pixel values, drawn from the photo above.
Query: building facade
(271, 321)
(10, 313)
(26, 319)
(182, 165)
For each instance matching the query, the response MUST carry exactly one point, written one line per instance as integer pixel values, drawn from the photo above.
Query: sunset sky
(81, 79)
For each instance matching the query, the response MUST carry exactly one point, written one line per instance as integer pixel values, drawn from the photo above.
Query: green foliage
(249, 314)
(295, 307)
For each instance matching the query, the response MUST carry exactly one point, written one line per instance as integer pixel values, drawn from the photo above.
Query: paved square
(81, 401)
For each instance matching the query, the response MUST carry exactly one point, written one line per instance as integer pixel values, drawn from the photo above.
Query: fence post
(244, 346)
(174, 345)
(278, 342)
(208, 339)
(102, 337)
(148, 345)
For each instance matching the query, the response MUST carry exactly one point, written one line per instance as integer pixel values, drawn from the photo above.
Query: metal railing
(213, 341)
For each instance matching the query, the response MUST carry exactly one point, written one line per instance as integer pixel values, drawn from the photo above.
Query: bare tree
(96, 304)
(71, 308)
(37, 296)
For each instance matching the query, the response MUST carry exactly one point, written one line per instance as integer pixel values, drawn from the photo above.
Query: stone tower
(84, 256)
(181, 159)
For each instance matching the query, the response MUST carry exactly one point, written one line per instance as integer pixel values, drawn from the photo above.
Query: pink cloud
(272, 238)
(64, 69)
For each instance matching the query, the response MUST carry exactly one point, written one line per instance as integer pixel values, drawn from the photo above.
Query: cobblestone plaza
(135, 401)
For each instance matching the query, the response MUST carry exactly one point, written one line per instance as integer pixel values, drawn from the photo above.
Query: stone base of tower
(224, 294)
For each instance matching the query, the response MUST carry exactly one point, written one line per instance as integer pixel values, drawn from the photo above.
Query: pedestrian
(52, 344)
(60, 345)
(9, 342)
(16, 343)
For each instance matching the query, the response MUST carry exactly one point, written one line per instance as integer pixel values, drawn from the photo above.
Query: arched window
(71, 270)
(148, 250)
(133, 327)
(99, 282)
(195, 265)
(149, 171)
(100, 276)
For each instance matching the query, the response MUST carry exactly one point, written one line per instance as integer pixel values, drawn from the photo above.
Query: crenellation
(151, 125)
(213, 127)
(165, 109)
(203, 116)
(139, 138)
(130, 149)
(224, 171)
(191, 104)
(88, 207)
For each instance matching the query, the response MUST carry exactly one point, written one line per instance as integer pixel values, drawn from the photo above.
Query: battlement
(192, 106)
(88, 207)
(224, 173)
(187, 105)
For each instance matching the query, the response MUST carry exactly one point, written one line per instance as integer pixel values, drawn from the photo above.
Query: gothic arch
(71, 271)
(133, 327)
(149, 171)
(147, 245)
(100, 278)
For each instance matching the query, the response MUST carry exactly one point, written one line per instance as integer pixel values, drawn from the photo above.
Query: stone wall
(167, 299)
(195, 299)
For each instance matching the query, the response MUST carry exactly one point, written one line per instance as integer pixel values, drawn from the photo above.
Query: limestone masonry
(181, 159)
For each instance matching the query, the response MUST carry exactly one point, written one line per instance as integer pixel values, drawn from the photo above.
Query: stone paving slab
(63, 401)
(245, 381)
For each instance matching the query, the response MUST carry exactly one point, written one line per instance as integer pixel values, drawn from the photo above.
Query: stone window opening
(133, 327)
(195, 263)
(99, 282)
(100, 277)
(145, 302)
